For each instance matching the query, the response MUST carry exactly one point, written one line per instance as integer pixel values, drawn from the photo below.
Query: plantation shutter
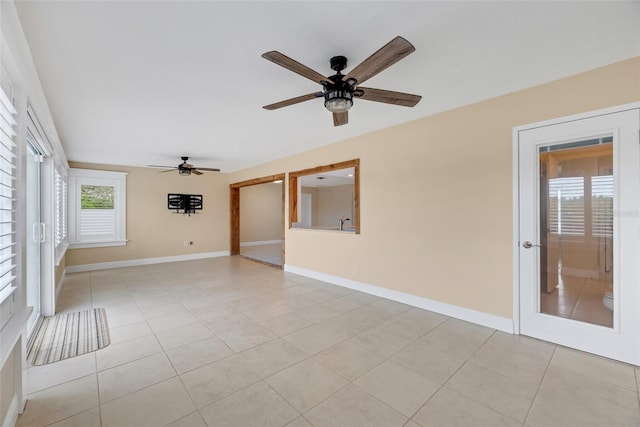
(602, 206)
(7, 207)
(97, 212)
(97, 207)
(60, 209)
(566, 205)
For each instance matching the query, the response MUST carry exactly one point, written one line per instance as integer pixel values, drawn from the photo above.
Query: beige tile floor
(230, 342)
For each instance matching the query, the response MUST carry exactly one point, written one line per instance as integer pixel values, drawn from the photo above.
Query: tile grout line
(535, 396)
(452, 375)
(95, 355)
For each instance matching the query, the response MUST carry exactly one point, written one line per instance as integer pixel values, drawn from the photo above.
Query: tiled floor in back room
(230, 342)
(270, 253)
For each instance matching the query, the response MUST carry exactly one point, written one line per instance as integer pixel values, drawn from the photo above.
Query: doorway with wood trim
(257, 230)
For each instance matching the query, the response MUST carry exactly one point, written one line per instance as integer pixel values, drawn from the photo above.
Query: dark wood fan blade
(292, 65)
(388, 96)
(196, 172)
(162, 167)
(208, 169)
(168, 170)
(383, 58)
(340, 119)
(292, 101)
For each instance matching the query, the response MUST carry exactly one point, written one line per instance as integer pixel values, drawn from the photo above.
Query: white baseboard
(142, 261)
(60, 283)
(478, 317)
(261, 242)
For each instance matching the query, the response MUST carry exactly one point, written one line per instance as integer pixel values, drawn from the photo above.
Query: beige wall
(332, 204)
(153, 230)
(314, 203)
(261, 212)
(436, 193)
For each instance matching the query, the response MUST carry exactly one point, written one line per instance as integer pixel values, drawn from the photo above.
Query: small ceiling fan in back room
(339, 90)
(185, 168)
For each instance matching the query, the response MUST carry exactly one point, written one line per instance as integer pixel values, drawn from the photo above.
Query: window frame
(76, 179)
(294, 189)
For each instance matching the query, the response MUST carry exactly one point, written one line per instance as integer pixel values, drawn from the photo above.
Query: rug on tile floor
(69, 334)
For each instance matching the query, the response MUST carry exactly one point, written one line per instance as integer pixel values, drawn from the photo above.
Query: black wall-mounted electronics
(184, 203)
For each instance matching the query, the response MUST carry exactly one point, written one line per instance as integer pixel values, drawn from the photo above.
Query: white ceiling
(145, 82)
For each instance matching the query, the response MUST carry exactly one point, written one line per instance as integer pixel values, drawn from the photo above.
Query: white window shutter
(8, 245)
(98, 218)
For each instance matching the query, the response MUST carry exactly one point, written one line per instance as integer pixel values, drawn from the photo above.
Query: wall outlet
(189, 243)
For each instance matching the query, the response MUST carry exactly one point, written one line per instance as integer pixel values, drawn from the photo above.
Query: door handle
(528, 245)
(35, 232)
(38, 232)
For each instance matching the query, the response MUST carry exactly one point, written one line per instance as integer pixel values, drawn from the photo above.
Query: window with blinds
(60, 209)
(566, 205)
(602, 206)
(60, 232)
(7, 209)
(97, 208)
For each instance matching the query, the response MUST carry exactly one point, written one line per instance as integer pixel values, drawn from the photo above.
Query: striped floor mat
(69, 334)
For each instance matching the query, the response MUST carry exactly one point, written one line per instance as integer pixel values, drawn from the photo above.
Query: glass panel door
(578, 222)
(34, 232)
(576, 230)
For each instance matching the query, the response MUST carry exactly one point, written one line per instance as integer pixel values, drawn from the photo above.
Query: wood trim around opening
(293, 187)
(234, 206)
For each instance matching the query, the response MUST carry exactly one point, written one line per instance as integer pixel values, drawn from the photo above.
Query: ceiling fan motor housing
(338, 93)
(338, 63)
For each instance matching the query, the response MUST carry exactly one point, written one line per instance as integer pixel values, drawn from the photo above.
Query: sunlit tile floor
(579, 298)
(230, 342)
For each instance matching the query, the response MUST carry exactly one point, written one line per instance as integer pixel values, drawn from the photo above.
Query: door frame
(516, 190)
(47, 249)
(234, 211)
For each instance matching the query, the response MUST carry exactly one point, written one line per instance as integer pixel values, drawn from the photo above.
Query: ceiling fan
(185, 168)
(339, 90)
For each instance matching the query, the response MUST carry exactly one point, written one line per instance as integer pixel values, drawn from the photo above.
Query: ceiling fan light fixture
(339, 89)
(184, 171)
(338, 100)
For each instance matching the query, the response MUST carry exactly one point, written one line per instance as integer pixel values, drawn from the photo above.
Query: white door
(579, 225)
(35, 231)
